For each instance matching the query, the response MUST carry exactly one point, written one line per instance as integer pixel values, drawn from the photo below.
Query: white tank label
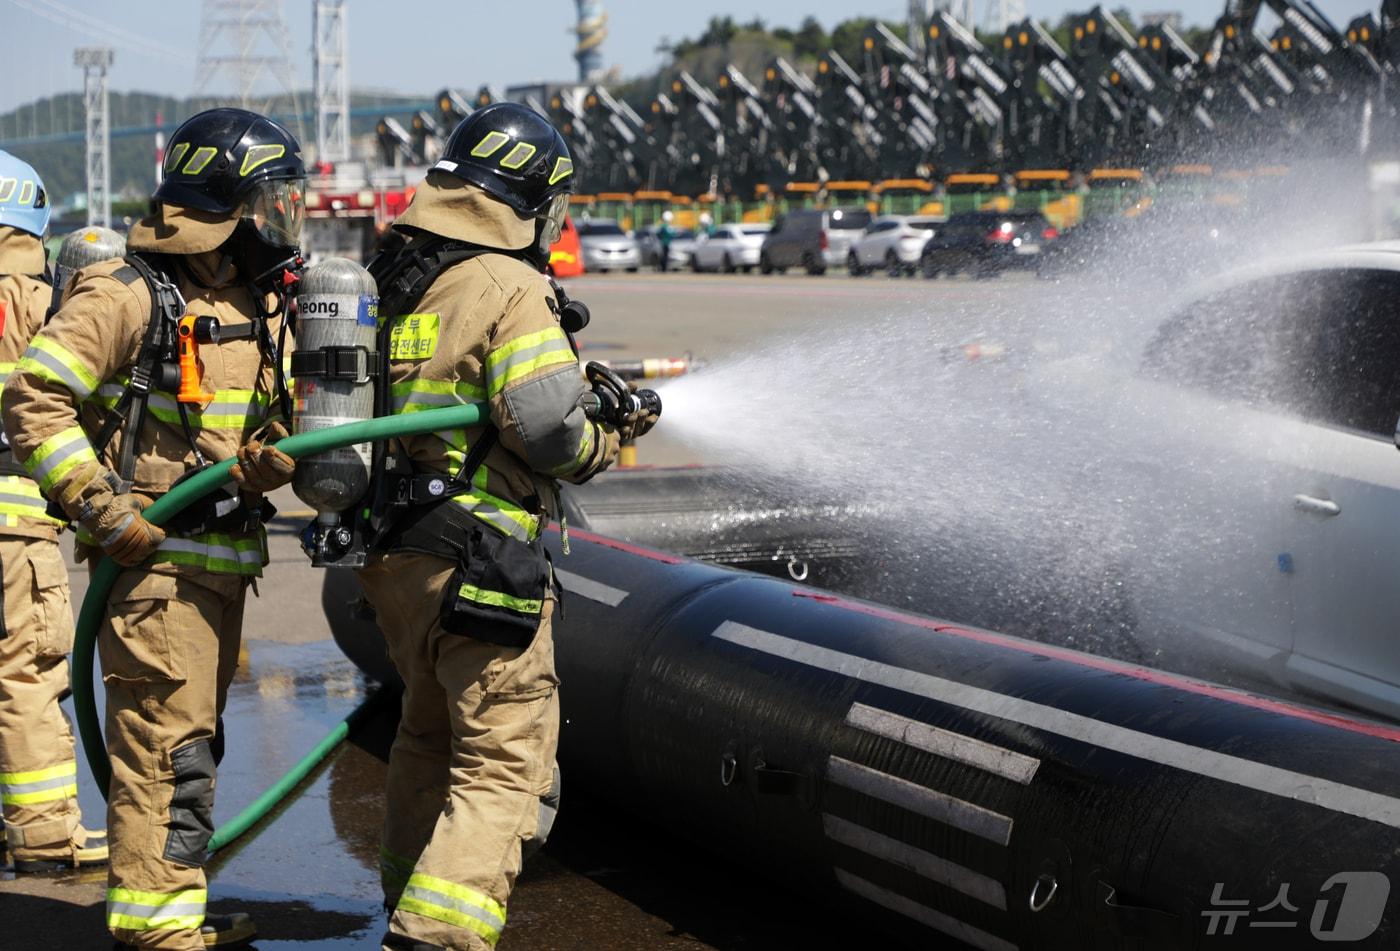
(363, 307)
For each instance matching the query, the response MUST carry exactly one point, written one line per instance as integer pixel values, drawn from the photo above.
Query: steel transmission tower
(920, 11)
(1006, 12)
(331, 62)
(592, 29)
(94, 61)
(246, 41)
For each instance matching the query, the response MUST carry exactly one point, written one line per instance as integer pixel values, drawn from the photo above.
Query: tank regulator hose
(167, 506)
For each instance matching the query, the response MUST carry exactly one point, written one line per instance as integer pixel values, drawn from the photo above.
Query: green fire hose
(105, 574)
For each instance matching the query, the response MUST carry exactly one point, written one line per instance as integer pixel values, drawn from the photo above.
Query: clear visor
(277, 210)
(554, 219)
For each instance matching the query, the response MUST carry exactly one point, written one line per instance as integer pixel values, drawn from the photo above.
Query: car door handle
(1307, 503)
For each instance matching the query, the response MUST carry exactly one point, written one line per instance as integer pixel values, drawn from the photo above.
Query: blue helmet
(23, 202)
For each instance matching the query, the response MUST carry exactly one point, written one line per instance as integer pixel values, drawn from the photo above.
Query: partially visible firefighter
(38, 767)
(153, 368)
(460, 581)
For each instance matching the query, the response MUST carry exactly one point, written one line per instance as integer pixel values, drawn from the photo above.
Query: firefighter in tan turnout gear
(38, 766)
(461, 586)
(106, 416)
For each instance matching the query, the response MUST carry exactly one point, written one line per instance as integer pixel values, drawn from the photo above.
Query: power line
(81, 22)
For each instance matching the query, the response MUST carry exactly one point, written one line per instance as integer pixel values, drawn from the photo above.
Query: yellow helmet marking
(489, 146)
(563, 168)
(518, 156)
(178, 152)
(260, 155)
(200, 160)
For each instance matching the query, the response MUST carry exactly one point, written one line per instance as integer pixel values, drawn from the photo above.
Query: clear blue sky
(419, 46)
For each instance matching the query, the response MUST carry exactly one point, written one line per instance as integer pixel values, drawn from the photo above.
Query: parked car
(986, 243)
(730, 248)
(894, 242)
(682, 244)
(606, 247)
(814, 239)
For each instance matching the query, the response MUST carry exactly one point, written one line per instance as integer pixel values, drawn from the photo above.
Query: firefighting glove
(263, 467)
(638, 424)
(123, 532)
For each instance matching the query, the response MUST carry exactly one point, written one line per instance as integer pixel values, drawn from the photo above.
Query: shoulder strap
(130, 411)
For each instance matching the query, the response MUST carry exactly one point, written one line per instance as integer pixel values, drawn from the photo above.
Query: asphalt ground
(309, 873)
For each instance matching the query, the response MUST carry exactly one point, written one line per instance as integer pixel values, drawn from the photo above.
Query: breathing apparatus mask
(265, 242)
(550, 225)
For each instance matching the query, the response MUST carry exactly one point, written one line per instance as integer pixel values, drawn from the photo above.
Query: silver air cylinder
(84, 247)
(337, 312)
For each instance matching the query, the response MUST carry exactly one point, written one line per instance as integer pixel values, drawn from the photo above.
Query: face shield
(276, 211)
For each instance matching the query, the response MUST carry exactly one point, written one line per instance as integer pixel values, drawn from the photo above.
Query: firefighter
(461, 586)
(38, 767)
(103, 421)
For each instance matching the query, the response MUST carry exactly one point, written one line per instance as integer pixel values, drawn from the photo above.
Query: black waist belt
(221, 512)
(439, 530)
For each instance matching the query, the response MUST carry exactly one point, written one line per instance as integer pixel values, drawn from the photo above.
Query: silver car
(893, 242)
(606, 247)
(729, 249)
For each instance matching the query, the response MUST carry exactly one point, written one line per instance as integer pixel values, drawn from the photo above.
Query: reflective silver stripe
(492, 515)
(499, 374)
(940, 807)
(76, 446)
(964, 932)
(1274, 780)
(43, 785)
(431, 897)
(28, 501)
(56, 366)
(252, 555)
(155, 913)
(426, 398)
(926, 864)
(590, 589)
(964, 749)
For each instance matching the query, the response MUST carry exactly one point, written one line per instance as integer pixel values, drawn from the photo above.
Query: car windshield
(609, 228)
(755, 231)
(924, 225)
(684, 235)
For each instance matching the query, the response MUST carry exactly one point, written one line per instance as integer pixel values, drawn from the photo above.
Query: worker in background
(462, 587)
(665, 234)
(38, 766)
(222, 233)
(707, 224)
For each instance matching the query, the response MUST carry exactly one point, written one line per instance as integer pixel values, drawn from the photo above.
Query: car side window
(1323, 345)
(1349, 358)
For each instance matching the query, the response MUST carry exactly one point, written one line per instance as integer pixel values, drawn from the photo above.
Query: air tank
(337, 315)
(84, 247)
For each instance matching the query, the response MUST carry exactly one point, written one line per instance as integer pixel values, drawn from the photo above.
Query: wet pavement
(309, 873)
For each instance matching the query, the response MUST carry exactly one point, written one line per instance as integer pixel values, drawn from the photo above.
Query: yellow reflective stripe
(5, 370)
(411, 396)
(215, 551)
(499, 599)
(147, 911)
(52, 362)
(58, 455)
(40, 785)
(524, 355)
(454, 905)
(507, 517)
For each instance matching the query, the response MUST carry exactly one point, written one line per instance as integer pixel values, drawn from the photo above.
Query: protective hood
(20, 252)
(173, 229)
(447, 206)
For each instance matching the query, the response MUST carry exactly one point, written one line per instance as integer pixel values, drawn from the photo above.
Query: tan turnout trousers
(169, 649)
(473, 757)
(38, 768)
